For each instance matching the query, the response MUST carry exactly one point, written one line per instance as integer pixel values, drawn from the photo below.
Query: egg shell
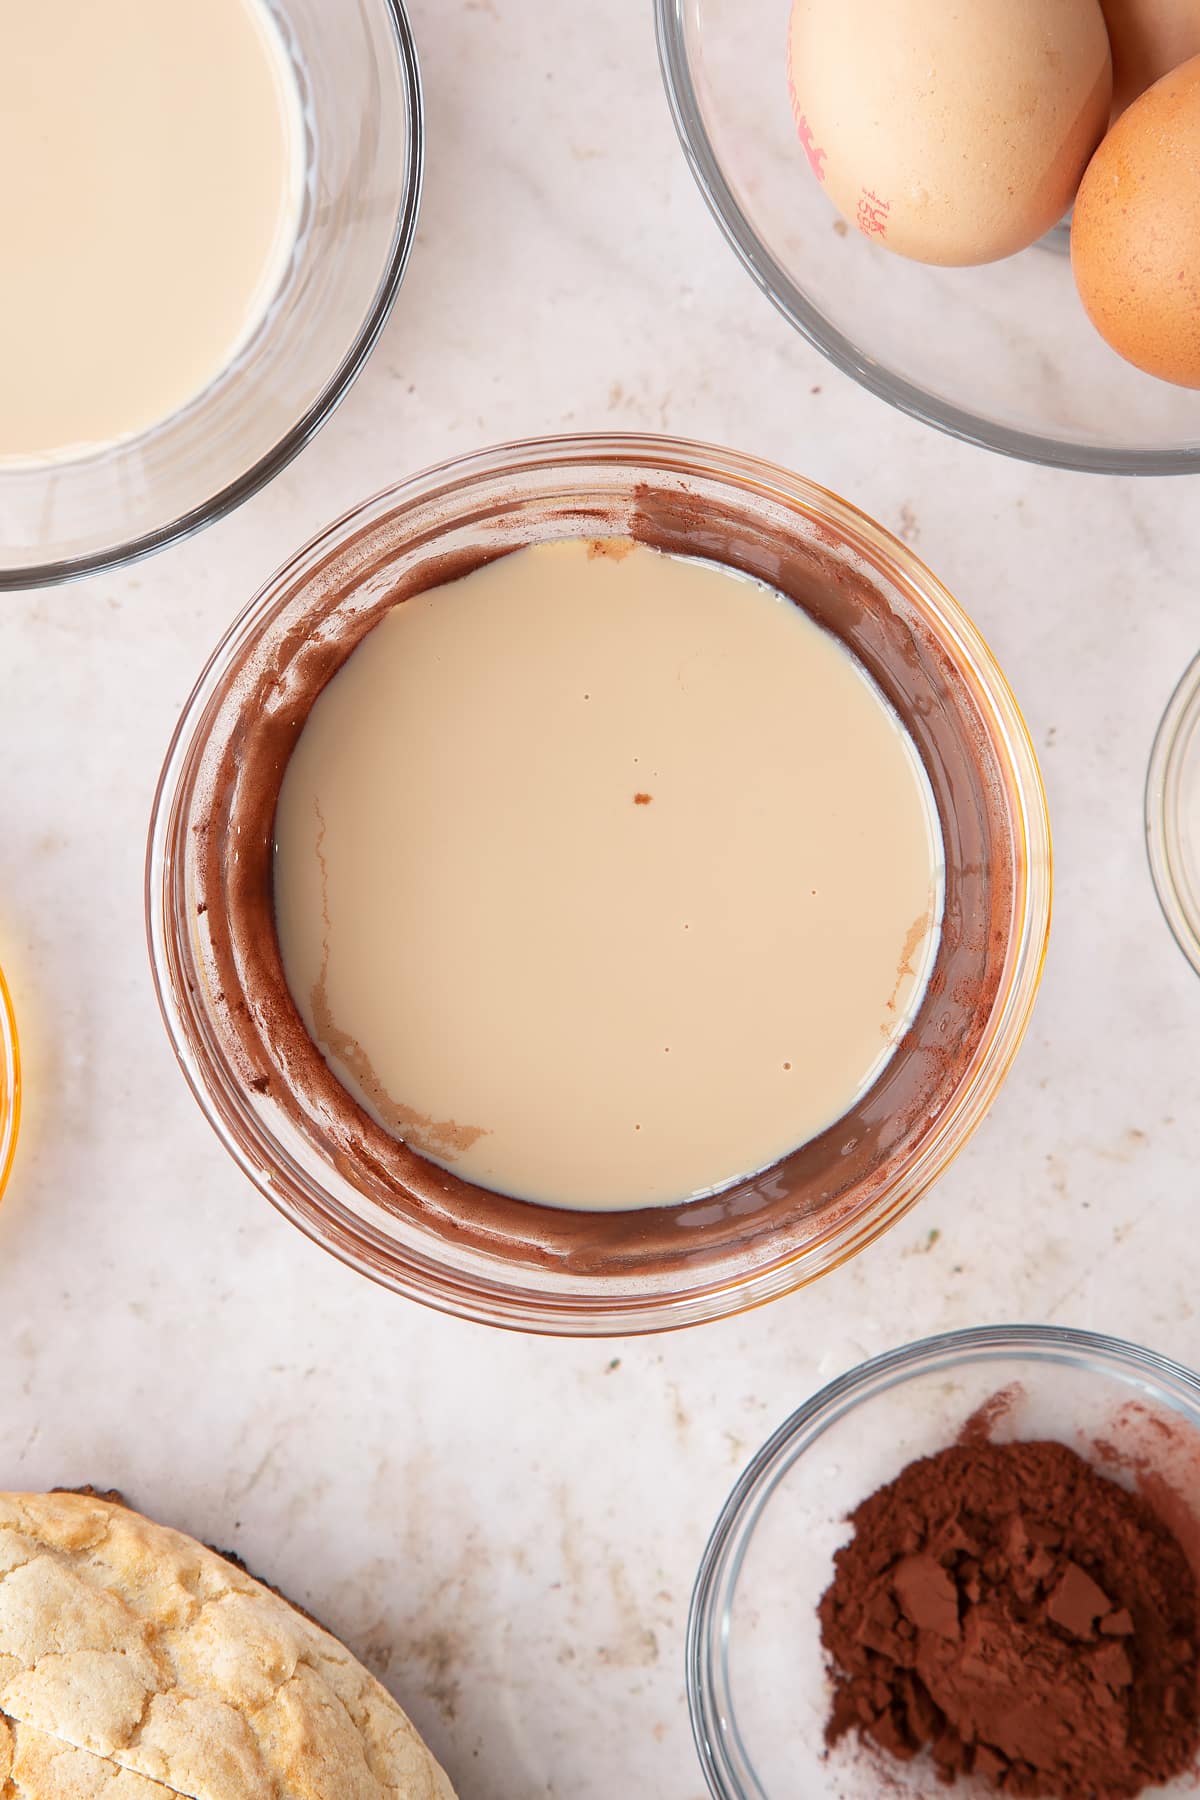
(1149, 38)
(956, 133)
(1135, 238)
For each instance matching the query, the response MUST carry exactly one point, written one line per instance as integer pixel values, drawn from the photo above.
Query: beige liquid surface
(151, 169)
(605, 879)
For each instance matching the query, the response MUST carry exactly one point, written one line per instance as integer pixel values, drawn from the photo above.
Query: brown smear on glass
(436, 1137)
(1021, 1619)
(808, 1192)
(1162, 1456)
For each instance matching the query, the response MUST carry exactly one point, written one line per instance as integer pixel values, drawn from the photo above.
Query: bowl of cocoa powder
(971, 1564)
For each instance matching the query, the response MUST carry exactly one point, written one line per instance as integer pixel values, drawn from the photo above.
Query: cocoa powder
(1021, 1618)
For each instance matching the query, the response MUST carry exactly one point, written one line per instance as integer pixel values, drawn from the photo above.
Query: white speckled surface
(507, 1529)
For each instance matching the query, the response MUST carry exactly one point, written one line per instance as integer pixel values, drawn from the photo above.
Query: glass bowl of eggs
(598, 885)
(209, 242)
(895, 180)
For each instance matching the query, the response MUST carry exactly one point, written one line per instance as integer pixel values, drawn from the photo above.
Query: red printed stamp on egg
(813, 151)
(873, 214)
(815, 155)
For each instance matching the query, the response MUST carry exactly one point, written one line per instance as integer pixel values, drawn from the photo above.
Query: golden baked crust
(37, 1767)
(134, 1644)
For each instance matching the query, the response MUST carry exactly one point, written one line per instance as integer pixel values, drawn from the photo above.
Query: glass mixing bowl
(1173, 814)
(423, 1231)
(1001, 355)
(356, 68)
(757, 1686)
(10, 1084)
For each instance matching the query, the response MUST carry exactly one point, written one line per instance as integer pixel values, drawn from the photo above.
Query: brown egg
(1135, 239)
(1149, 38)
(951, 134)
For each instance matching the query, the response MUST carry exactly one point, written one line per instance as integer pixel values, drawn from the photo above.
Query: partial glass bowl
(10, 1084)
(360, 90)
(423, 1231)
(758, 1690)
(1173, 814)
(1001, 355)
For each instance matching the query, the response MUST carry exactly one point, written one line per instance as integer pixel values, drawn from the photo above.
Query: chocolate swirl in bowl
(816, 1204)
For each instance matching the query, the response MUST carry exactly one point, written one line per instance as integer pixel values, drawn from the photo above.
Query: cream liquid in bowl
(605, 877)
(151, 175)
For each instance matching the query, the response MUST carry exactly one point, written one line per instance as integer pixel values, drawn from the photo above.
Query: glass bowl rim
(10, 1084)
(416, 1275)
(337, 386)
(784, 294)
(1179, 722)
(724, 1553)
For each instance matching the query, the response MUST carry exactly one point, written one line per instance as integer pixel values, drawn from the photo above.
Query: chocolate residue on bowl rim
(767, 1218)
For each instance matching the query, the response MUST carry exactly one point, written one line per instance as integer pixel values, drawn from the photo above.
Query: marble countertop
(506, 1529)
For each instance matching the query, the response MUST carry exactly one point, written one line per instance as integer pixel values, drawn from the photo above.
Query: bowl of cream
(207, 218)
